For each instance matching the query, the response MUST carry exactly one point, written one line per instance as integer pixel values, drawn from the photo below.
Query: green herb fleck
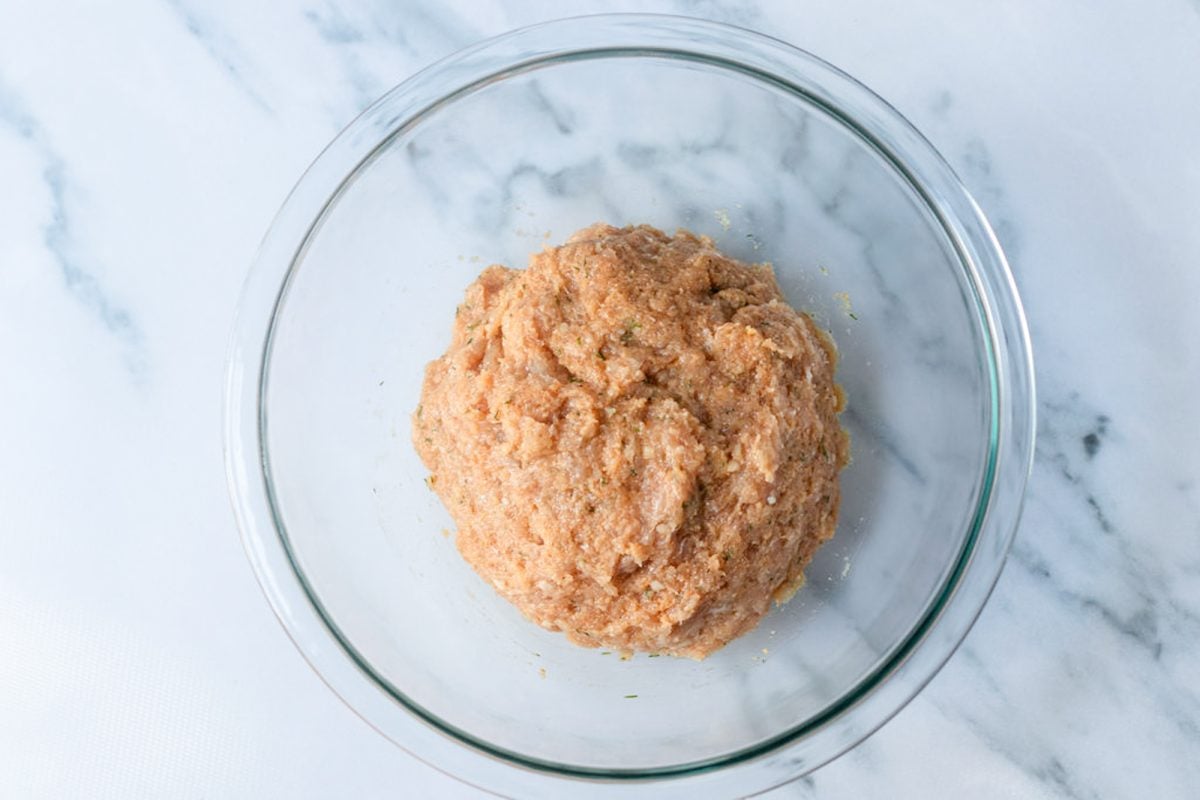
(853, 316)
(633, 472)
(727, 555)
(600, 354)
(631, 697)
(653, 655)
(420, 408)
(573, 379)
(606, 652)
(631, 325)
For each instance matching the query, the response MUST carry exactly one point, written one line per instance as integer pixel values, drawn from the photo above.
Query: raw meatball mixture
(637, 438)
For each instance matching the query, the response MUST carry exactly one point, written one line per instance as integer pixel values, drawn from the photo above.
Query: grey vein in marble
(58, 235)
(420, 34)
(1140, 607)
(220, 47)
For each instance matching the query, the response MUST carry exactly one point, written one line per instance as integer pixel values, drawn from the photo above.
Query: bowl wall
(514, 144)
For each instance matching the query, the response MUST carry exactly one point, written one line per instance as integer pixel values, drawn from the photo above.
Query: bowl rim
(912, 663)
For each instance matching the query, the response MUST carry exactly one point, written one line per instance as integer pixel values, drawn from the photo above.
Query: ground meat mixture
(637, 438)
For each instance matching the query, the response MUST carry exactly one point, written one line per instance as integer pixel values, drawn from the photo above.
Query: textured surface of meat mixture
(637, 438)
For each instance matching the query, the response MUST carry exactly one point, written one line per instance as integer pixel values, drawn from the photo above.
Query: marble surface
(144, 148)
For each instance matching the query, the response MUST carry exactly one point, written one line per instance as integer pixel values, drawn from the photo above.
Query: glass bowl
(515, 143)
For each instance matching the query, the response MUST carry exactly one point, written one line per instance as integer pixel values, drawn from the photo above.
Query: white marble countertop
(144, 147)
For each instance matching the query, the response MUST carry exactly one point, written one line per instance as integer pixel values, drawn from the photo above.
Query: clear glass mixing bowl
(519, 141)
